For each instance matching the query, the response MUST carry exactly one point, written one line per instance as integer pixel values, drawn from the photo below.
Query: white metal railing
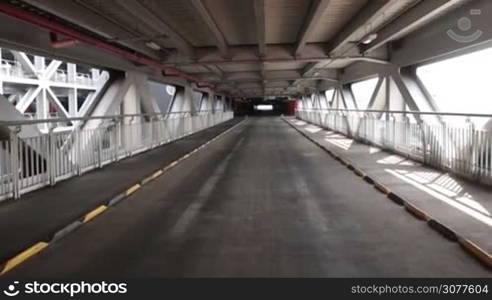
(60, 76)
(84, 79)
(13, 68)
(28, 163)
(10, 68)
(463, 150)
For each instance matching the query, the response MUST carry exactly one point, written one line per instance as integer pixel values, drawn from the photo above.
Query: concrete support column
(211, 102)
(130, 106)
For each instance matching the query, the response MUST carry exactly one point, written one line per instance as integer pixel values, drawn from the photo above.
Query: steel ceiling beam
(144, 15)
(349, 34)
(416, 17)
(259, 7)
(316, 11)
(53, 26)
(205, 16)
(275, 53)
(79, 13)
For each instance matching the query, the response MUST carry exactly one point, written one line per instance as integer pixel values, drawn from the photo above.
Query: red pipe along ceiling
(75, 36)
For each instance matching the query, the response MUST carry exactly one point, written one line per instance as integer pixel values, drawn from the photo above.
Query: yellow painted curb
(382, 188)
(94, 213)
(132, 189)
(359, 172)
(417, 212)
(157, 174)
(21, 257)
(478, 252)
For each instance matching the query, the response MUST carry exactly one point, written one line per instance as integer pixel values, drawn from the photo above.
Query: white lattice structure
(41, 88)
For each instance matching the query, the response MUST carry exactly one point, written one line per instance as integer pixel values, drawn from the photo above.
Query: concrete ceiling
(245, 47)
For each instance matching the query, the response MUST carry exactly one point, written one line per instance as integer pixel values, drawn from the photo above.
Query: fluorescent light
(264, 107)
(369, 38)
(153, 46)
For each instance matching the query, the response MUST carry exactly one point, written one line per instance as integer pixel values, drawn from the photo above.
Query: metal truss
(402, 116)
(41, 88)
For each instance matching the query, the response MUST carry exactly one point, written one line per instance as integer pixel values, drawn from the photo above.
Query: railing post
(14, 161)
(78, 150)
(99, 148)
(152, 132)
(51, 157)
(393, 132)
(129, 137)
(117, 139)
(423, 129)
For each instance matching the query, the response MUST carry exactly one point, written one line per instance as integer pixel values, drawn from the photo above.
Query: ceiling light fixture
(153, 46)
(369, 38)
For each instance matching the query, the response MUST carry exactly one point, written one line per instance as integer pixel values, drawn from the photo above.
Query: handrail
(400, 112)
(58, 120)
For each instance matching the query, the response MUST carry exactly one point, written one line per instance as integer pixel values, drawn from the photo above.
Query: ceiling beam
(416, 17)
(351, 31)
(202, 12)
(143, 14)
(216, 70)
(269, 76)
(316, 10)
(259, 7)
(311, 67)
(314, 52)
(80, 14)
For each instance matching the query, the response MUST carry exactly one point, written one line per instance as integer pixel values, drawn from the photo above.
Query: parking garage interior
(246, 138)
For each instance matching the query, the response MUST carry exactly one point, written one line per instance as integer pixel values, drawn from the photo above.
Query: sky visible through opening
(363, 91)
(462, 84)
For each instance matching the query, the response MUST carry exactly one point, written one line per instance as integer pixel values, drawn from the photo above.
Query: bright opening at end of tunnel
(264, 107)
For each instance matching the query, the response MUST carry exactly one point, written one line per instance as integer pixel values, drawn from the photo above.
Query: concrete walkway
(464, 209)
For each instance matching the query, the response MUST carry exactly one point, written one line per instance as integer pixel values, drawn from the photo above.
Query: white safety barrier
(462, 150)
(48, 158)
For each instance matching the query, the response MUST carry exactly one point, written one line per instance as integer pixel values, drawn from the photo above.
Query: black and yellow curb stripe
(396, 198)
(478, 252)
(382, 188)
(89, 216)
(94, 213)
(133, 189)
(417, 212)
(472, 248)
(23, 256)
(447, 232)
